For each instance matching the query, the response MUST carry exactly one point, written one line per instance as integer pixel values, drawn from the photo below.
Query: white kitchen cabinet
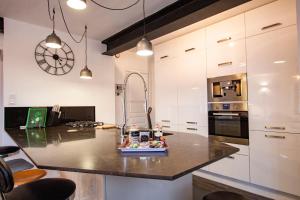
(169, 49)
(278, 14)
(275, 160)
(193, 129)
(273, 81)
(166, 92)
(191, 41)
(235, 166)
(226, 59)
(192, 88)
(226, 31)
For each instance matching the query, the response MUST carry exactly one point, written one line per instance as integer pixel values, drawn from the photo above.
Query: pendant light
(86, 73)
(144, 46)
(77, 4)
(52, 40)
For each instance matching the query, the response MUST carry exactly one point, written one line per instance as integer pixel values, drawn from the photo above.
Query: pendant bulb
(77, 4)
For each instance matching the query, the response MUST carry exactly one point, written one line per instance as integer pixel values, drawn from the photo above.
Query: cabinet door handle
(163, 57)
(224, 40)
(191, 49)
(271, 26)
(231, 157)
(166, 126)
(275, 136)
(191, 123)
(191, 129)
(282, 128)
(164, 120)
(224, 63)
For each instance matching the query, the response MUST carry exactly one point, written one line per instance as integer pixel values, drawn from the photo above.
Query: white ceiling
(101, 23)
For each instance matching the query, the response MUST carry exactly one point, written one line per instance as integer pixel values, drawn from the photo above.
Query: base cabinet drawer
(275, 160)
(235, 166)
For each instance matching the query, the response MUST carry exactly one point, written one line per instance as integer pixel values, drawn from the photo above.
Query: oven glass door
(228, 124)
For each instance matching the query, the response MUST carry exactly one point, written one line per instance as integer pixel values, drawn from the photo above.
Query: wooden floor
(202, 187)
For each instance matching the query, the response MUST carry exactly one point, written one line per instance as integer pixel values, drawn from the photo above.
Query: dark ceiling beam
(171, 18)
(1, 25)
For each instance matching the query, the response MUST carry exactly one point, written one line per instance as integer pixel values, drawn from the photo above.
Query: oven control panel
(236, 106)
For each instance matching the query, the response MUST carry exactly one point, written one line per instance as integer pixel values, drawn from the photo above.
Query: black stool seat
(5, 150)
(19, 165)
(44, 189)
(223, 195)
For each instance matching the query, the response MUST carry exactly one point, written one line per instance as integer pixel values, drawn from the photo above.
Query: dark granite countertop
(90, 150)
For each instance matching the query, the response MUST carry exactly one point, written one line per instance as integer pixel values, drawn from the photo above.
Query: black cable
(144, 19)
(68, 30)
(85, 46)
(109, 8)
(51, 18)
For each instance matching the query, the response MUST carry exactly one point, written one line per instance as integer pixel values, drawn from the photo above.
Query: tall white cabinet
(180, 84)
(274, 100)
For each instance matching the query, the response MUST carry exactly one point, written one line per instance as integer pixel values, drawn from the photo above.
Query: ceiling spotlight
(77, 4)
(144, 46)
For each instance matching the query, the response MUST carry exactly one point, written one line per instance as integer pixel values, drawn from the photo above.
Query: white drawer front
(235, 166)
(275, 160)
(270, 17)
(227, 59)
(169, 49)
(225, 31)
(192, 41)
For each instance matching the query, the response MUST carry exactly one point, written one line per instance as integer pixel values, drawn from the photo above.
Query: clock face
(54, 61)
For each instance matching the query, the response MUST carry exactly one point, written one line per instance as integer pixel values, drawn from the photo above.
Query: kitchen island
(127, 176)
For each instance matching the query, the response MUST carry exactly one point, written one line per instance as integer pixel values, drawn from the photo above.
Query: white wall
(24, 80)
(130, 62)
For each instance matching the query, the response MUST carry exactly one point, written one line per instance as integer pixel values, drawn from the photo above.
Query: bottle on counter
(158, 132)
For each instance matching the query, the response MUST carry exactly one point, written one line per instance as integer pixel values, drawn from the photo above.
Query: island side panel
(127, 188)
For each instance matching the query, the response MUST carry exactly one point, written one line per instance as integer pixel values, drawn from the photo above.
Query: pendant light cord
(66, 25)
(144, 15)
(85, 46)
(109, 8)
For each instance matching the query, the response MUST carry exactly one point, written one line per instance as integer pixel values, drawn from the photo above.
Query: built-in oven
(229, 120)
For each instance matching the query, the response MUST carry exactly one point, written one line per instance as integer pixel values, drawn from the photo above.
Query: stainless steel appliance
(227, 88)
(228, 119)
(228, 106)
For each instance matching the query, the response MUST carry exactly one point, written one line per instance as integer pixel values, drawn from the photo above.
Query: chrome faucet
(123, 128)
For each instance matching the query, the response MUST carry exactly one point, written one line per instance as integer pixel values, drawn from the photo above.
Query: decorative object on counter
(144, 46)
(149, 117)
(36, 118)
(140, 141)
(54, 116)
(84, 124)
(52, 40)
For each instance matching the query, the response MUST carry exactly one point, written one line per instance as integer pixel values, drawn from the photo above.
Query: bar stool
(44, 189)
(223, 195)
(15, 164)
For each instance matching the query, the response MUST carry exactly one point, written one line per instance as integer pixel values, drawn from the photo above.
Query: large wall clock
(54, 61)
